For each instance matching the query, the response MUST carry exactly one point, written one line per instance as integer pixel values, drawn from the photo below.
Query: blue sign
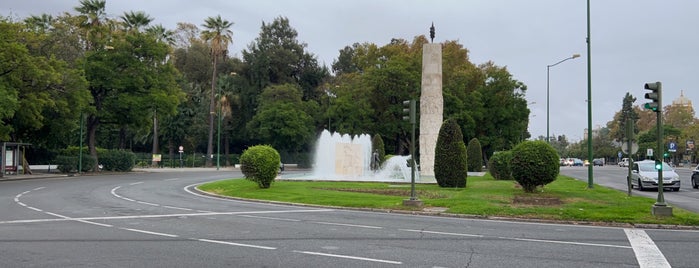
(672, 147)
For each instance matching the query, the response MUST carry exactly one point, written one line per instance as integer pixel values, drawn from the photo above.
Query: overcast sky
(633, 41)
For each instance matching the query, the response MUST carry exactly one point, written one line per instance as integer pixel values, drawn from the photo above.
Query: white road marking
(136, 183)
(149, 232)
(233, 244)
(159, 215)
(269, 218)
(647, 253)
(35, 209)
(173, 179)
(349, 225)
(348, 257)
(563, 242)
(187, 209)
(146, 203)
(441, 233)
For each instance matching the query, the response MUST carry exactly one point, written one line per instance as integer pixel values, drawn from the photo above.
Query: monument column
(431, 107)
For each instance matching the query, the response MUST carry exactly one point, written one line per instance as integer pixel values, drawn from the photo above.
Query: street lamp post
(548, 67)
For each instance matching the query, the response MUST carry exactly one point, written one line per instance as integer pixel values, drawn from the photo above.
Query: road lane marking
(231, 243)
(135, 183)
(146, 203)
(349, 225)
(441, 233)
(269, 218)
(647, 253)
(187, 209)
(348, 257)
(173, 179)
(149, 232)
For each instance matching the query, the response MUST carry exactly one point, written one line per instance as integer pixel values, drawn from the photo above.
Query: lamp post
(548, 68)
(589, 102)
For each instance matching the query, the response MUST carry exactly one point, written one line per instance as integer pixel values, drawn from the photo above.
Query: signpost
(181, 151)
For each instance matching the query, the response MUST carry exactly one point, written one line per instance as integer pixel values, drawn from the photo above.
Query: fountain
(342, 157)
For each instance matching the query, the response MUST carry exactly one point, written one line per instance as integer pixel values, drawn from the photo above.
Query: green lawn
(483, 196)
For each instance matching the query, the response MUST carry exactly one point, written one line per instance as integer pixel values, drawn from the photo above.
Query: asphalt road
(615, 177)
(158, 220)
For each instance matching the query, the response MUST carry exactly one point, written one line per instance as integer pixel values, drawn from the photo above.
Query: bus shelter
(10, 157)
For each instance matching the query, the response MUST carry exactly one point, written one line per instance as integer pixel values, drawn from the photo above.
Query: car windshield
(650, 167)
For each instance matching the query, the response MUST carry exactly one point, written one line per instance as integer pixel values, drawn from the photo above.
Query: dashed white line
(349, 225)
(269, 218)
(187, 209)
(35, 209)
(348, 257)
(146, 203)
(440, 233)
(135, 183)
(647, 253)
(563, 242)
(233, 244)
(173, 179)
(149, 232)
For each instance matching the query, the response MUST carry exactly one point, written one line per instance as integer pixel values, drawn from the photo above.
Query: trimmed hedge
(499, 165)
(69, 164)
(475, 155)
(118, 160)
(450, 160)
(534, 163)
(260, 163)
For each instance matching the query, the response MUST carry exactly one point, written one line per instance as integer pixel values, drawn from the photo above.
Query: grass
(483, 196)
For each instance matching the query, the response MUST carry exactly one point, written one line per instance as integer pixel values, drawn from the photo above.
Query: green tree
(282, 119)
(378, 147)
(618, 125)
(134, 21)
(475, 155)
(219, 35)
(260, 163)
(450, 160)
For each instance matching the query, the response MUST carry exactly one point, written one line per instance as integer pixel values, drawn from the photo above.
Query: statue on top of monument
(432, 33)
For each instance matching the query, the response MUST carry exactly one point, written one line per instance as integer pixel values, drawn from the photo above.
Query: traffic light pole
(410, 108)
(660, 208)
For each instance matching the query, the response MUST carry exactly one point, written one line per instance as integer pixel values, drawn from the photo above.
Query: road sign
(181, 149)
(649, 152)
(672, 147)
(625, 149)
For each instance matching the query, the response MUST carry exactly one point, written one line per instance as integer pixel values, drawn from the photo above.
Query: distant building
(682, 100)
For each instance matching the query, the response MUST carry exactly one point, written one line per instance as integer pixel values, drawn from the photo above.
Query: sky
(632, 41)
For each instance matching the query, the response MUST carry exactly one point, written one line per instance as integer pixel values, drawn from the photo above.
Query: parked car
(577, 162)
(695, 177)
(586, 163)
(645, 176)
(624, 162)
(598, 162)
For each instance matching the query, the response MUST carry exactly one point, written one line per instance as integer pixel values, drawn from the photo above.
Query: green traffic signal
(658, 165)
(654, 96)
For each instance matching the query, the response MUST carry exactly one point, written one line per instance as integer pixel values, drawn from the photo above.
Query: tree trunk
(212, 108)
(92, 123)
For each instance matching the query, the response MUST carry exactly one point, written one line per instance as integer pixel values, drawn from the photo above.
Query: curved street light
(548, 68)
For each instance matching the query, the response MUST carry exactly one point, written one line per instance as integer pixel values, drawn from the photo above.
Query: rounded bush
(475, 155)
(260, 163)
(499, 165)
(534, 163)
(450, 167)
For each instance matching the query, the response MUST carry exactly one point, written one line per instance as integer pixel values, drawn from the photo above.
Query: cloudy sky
(633, 41)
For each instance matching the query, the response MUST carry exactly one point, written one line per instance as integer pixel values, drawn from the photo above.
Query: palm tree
(93, 10)
(161, 34)
(135, 20)
(219, 35)
(39, 23)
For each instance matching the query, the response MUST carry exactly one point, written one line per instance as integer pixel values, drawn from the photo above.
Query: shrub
(260, 164)
(450, 165)
(474, 155)
(69, 163)
(534, 163)
(499, 165)
(118, 160)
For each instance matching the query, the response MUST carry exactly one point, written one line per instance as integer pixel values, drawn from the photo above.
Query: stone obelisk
(431, 106)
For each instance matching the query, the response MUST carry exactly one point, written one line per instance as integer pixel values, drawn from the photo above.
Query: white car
(624, 162)
(645, 176)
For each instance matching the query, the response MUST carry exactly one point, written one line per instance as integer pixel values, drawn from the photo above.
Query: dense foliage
(450, 162)
(118, 160)
(475, 156)
(534, 163)
(260, 163)
(499, 165)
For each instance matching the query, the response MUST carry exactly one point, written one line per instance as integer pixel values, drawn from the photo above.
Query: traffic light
(658, 165)
(655, 96)
(409, 111)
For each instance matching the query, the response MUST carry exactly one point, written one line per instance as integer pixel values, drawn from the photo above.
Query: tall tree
(219, 35)
(618, 125)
